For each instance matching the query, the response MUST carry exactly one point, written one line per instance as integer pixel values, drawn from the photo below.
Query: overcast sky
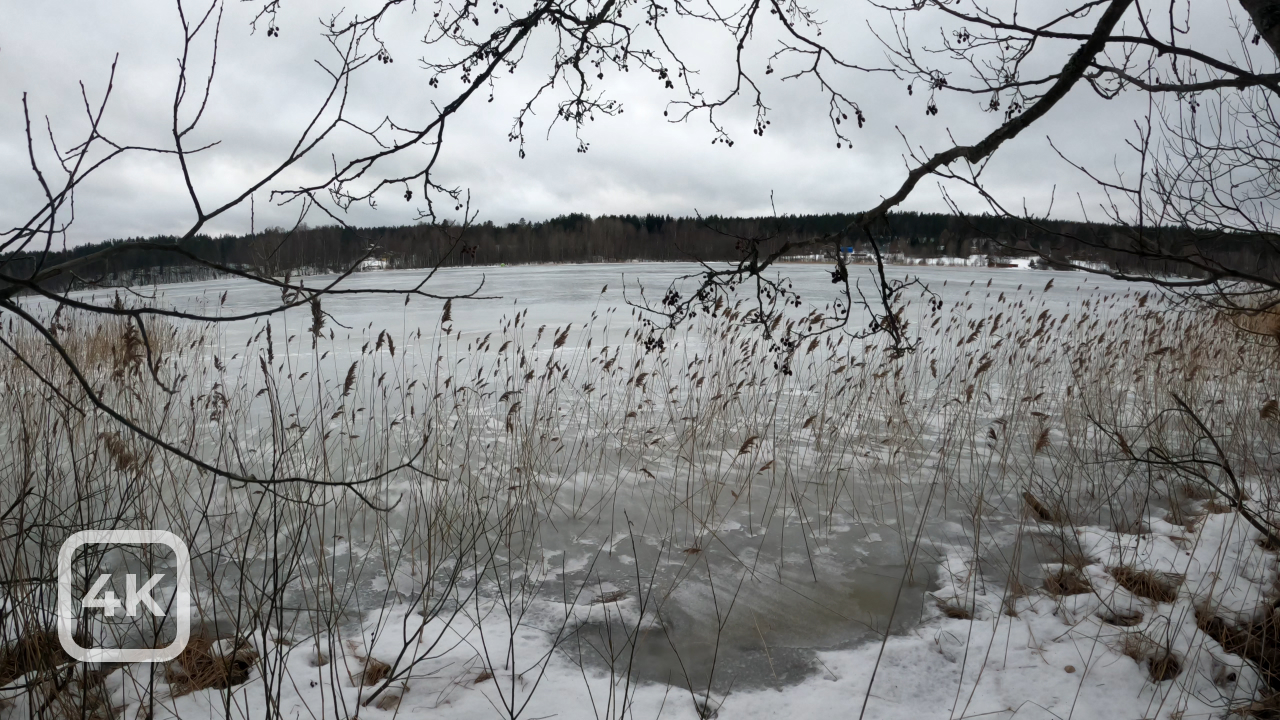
(266, 88)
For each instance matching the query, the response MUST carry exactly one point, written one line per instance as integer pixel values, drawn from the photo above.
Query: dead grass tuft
(1068, 581)
(374, 672)
(1258, 322)
(36, 651)
(116, 341)
(1015, 589)
(1267, 708)
(609, 597)
(1258, 642)
(1214, 507)
(1075, 558)
(1043, 512)
(1189, 521)
(1150, 584)
(75, 693)
(1164, 667)
(1195, 491)
(1120, 618)
(1136, 646)
(1161, 664)
(207, 663)
(955, 612)
(122, 455)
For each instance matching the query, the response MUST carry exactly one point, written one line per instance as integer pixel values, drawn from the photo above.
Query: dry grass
(210, 663)
(1014, 590)
(955, 612)
(76, 694)
(1043, 512)
(1072, 555)
(111, 342)
(1218, 507)
(1136, 646)
(1267, 708)
(1067, 581)
(373, 671)
(64, 691)
(1120, 618)
(1165, 666)
(1161, 664)
(1258, 642)
(1195, 491)
(1264, 322)
(39, 651)
(1157, 586)
(612, 596)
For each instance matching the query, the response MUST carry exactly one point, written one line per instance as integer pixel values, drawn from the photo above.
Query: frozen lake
(742, 520)
(560, 294)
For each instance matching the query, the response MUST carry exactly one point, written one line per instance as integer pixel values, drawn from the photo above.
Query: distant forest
(581, 238)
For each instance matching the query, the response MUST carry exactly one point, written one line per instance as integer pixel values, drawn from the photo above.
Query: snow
(1048, 658)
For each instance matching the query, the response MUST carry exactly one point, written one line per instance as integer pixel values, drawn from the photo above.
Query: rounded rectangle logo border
(69, 615)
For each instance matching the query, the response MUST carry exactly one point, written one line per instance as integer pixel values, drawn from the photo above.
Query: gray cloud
(638, 162)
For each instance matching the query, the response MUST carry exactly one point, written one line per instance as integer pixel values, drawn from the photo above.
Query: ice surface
(812, 574)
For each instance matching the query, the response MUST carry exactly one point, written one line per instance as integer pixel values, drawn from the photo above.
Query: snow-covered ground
(1031, 656)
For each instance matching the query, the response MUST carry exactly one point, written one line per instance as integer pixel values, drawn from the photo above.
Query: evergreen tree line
(581, 238)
